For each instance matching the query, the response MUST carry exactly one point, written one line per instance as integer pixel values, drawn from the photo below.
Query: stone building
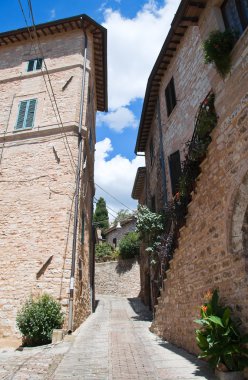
(212, 249)
(53, 79)
(114, 234)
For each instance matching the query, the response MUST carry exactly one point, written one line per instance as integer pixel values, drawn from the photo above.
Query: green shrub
(149, 224)
(129, 245)
(105, 252)
(37, 319)
(217, 48)
(219, 337)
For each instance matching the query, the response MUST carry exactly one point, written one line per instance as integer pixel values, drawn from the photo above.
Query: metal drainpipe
(78, 171)
(161, 147)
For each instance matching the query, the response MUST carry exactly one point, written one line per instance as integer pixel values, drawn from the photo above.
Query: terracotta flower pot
(231, 375)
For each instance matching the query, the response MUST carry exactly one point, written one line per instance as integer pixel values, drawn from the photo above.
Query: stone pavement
(113, 344)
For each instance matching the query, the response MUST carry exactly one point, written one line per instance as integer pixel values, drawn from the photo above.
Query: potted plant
(220, 340)
(217, 48)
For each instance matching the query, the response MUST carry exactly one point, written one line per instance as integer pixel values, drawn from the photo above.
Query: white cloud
(115, 175)
(118, 120)
(133, 46)
(52, 13)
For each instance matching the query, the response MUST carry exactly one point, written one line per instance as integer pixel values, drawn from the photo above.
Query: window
(153, 203)
(170, 96)
(151, 150)
(175, 170)
(34, 64)
(25, 119)
(235, 15)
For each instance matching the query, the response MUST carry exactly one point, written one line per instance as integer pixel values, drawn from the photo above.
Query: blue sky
(136, 31)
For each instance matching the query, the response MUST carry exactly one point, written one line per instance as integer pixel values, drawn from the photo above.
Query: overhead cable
(57, 114)
(112, 196)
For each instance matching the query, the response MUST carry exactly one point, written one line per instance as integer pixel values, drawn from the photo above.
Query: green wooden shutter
(21, 115)
(30, 113)
(31, 65)
(38, 63)
(26, 114)
(175, 171)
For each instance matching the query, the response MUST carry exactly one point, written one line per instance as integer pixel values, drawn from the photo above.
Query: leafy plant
(37, 319)
(149, 224)
(217, 48)
(219, 338)
(197, 147)
(105, 252)
(129, 245)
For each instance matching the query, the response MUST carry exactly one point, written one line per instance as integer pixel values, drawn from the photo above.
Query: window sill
(22, 130)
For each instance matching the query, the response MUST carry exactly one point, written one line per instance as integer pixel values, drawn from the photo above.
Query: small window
(34, 64)
(153, 203)
(235, 14)
(26, 113)
(151, 150)
(170, 96)
(175, 171)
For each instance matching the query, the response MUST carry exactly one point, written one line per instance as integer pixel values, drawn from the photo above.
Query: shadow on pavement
(142, 311)
(144, 314)
(202, 368)
(96, 305)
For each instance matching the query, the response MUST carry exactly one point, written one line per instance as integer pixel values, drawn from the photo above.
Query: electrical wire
(108, 211)
(50, 82)
(114, 197)
(107, 206)
(57, 115)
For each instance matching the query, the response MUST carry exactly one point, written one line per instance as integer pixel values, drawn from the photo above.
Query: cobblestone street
(113, 344)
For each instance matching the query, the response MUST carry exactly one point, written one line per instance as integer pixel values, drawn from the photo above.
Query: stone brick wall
(37, 180)
(212, 252)
(119, 278)
(190, 77)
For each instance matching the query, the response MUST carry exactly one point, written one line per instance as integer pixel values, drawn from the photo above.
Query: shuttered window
(235, 14)
(170, 96)
(26, 113)
(153, 203)
(175, 171)
(34, 64)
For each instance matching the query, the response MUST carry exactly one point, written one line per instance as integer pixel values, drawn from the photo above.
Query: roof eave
(102, 105)
(178, 18)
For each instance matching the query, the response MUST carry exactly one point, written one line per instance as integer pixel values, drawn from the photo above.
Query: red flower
(177, 196)
(204, 308)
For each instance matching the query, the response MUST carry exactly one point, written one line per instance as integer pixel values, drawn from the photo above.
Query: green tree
(129, 245)
(101, 218)
(122, 215)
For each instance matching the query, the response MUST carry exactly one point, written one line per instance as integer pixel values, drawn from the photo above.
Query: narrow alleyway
(113, 344)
